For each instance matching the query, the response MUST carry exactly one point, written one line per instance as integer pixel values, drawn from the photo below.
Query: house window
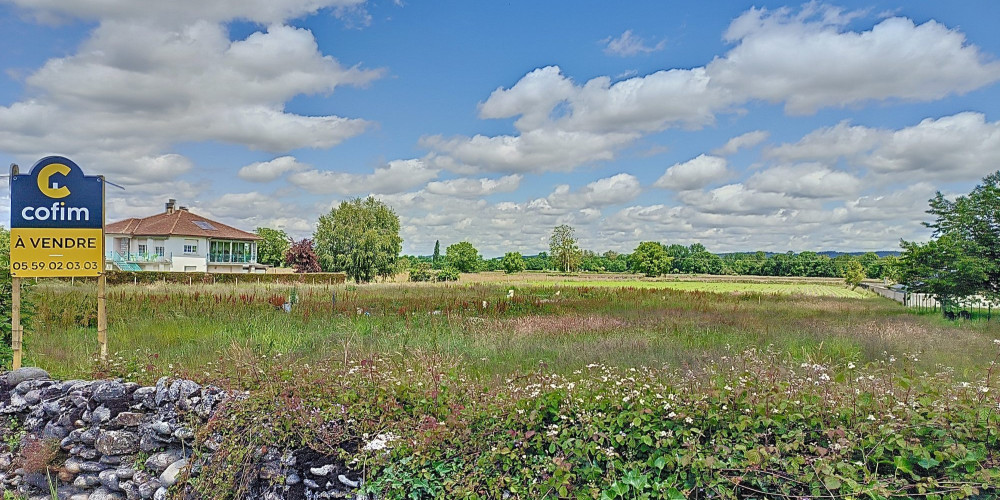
(190, 269)
(160, 251)
(142, 249)
(190, 246)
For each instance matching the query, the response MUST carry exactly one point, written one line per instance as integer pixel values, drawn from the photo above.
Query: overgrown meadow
(564, 390)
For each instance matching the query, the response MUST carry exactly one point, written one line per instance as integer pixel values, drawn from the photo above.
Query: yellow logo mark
(49, 188)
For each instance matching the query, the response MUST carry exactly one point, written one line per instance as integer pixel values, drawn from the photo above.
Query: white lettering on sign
(58, 211)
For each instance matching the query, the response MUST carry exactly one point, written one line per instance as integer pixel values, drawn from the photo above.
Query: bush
(420, 272)
(447, 274)
(513, 263)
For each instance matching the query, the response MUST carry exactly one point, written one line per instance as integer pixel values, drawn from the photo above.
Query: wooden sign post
(56, 230)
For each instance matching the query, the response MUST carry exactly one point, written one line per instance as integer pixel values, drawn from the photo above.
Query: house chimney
(170, 205)
(183, 209)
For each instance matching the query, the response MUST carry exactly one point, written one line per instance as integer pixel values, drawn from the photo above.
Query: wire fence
(976, 308)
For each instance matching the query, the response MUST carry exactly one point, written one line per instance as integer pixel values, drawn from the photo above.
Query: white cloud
(961, 147)
(475, 188)
(747, 140)
(694, 174)
(628, 44)
(739, 199)
(136, 87)
(395, 177)
(267, 171)
(829, 144)
(533, 97)
(807, 61)
(805, 180)
(951, 148)
(614, 190)
(534, 151)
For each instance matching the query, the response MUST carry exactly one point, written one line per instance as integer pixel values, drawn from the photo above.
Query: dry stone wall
(114, 440)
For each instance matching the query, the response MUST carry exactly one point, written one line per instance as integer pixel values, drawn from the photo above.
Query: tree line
(361, 238)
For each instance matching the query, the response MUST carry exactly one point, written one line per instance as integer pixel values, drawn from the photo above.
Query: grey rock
(109, 479)
(150, 443)
(100, 415)
(15, 377)
(161, 391)
(159, 462)
(102, 493)
(292, 479)
(53, 431)
(169, 476)
(148, 488)
(130, 489)
(90, 466)
(72, 466)
(145, 396)
(161, 427)
(51, 408)
(125, 472)
(111, 459)
(127, 419)
(111, 391)
(33, 397)
(347, 482)
(86, 481)
(311, 484)
(69, 385)
(88, 436)
(183, 434)
(36, 479)
(117, 443)
(161, 494)
(322, 471)
(17, 401)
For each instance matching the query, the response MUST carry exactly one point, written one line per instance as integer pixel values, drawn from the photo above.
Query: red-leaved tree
(301, 257)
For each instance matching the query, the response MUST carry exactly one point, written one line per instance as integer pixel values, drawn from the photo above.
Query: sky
(742, 126)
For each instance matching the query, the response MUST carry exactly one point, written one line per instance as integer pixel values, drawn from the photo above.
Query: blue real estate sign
(56, 221)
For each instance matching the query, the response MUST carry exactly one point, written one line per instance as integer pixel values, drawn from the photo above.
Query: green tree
(271, 249)
(854, 274)
(946, 268)
(6, 300)
(512, 263)
(361, 238)
(463, 256)
(436, 259)
(565, 253)
(650, 258)
(975, 219)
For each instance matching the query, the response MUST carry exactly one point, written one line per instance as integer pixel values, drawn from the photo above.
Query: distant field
(763, 285)
(806, 289)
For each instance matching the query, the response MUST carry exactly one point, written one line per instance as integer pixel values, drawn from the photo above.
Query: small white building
(178, 240)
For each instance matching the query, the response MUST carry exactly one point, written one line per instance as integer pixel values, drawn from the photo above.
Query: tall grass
(159, 329)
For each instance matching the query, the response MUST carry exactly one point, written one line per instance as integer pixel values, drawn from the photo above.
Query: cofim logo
(56, 221)
(58, 211)
(51, 188)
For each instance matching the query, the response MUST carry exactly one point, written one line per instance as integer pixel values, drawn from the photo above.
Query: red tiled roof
(179, 223)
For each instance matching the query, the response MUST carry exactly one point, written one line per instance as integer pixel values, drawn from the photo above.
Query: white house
(178, 240)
